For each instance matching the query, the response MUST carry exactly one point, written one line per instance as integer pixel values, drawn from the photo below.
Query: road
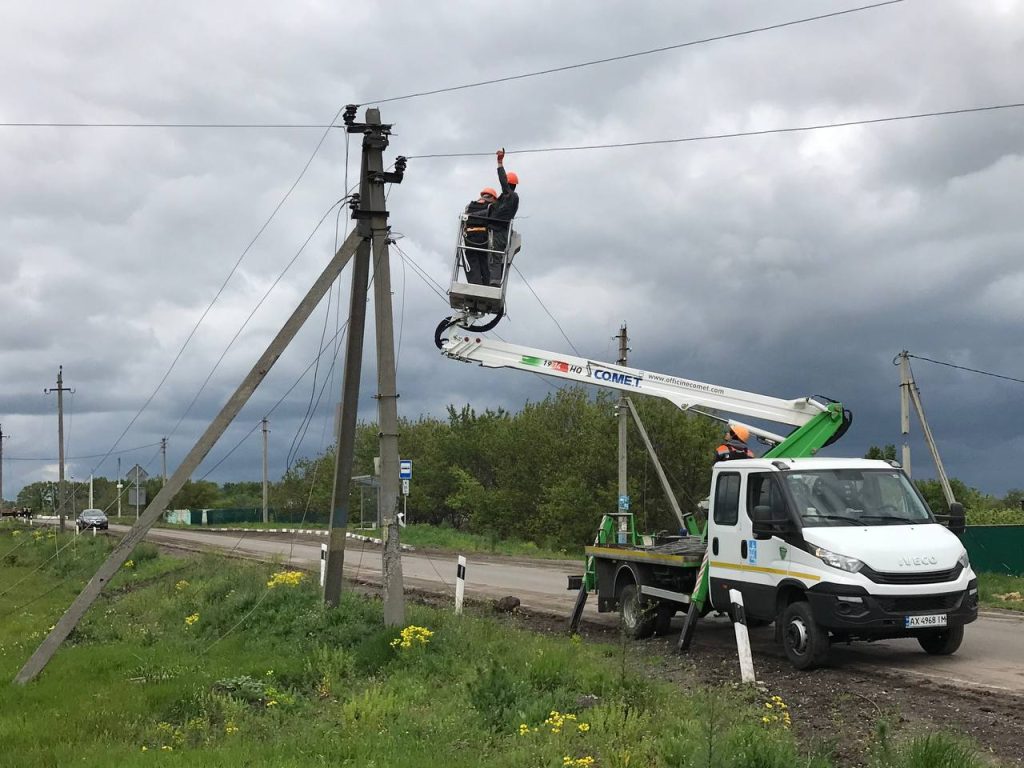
(992, 655)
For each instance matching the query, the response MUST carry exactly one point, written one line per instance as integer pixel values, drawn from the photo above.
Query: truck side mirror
(765, 524)
(957, 518)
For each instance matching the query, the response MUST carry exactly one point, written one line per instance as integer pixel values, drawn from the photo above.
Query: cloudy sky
(787, 264)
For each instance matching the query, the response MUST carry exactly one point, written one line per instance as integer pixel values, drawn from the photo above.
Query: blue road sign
(405, 469)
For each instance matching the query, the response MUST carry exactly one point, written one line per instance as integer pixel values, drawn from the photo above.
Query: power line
(463, 86)
(544, 307)
(735, 135)
(636, 54)
(220, 290)
(965, 368)
(81, 458)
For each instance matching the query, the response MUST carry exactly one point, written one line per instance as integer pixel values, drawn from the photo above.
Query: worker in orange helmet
(476, 237)
(502, 214)
(735, 445)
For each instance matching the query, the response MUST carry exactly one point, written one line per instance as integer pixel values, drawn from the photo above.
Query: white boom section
(684, 393)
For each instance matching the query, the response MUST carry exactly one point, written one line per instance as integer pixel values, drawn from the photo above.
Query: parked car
(92, 518)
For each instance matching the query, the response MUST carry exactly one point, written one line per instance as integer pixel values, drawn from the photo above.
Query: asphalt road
(992, 655)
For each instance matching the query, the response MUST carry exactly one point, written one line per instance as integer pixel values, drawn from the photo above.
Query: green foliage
(269, 678)
(888, 453)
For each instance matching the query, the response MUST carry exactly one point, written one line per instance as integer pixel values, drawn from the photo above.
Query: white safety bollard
(323, 563)
(742, 639)
(460, 584)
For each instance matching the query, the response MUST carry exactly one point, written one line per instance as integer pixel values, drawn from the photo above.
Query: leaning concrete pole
(92, 590)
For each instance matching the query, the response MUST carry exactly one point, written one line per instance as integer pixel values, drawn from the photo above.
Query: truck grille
(920, 603)
(929, 577)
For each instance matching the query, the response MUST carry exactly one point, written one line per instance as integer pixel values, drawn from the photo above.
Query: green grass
(992, 584)
(197, 662)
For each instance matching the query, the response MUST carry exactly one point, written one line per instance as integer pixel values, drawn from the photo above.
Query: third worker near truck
(502, 213)
(735, 444)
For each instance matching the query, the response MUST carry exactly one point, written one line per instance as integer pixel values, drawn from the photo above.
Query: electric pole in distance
(163, 457)
(266, 513)
(2, 438)
(60, 389)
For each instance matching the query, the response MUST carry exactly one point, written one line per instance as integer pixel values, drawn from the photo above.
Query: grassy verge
(202, 662)
(998, 591)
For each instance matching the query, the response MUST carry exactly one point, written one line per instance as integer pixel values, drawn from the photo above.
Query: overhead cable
(965, 368)
(734, 135)
(464, 86)
(220, 290)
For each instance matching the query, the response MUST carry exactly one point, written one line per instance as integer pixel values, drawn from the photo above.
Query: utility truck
(830, 550)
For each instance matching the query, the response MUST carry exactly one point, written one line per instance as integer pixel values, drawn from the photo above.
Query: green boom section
(806, 440)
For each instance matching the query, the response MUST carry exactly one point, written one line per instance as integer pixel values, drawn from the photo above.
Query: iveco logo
(927, 560)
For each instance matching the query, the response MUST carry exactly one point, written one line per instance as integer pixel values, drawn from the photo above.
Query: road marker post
(323, 564)
(460, 584)
(739, 622)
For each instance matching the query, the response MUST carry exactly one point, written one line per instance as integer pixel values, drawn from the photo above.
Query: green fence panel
(995, 548)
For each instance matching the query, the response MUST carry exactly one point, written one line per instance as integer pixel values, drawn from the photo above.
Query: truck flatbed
(686, 552)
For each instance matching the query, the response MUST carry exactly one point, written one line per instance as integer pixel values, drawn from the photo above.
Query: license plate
(931, 620)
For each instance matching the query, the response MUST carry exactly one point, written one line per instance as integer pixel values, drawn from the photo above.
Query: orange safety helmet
(489, 191)
(741, 432)
(513, 177)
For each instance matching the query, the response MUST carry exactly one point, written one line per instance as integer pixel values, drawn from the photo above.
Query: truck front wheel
(942, 643)
(638, 614)
(806, 644)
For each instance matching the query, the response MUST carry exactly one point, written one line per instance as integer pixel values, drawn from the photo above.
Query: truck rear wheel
(942, 643)
(639, 615)
(806, 644)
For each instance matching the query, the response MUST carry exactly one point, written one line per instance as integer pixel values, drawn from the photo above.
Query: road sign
(405, 469)
(136, 474)
(405, 487)
(624, 503)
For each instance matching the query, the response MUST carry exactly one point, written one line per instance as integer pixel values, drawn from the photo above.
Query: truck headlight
(842, 562)
(964, 560)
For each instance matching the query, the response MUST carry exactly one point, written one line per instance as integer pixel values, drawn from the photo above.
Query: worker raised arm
(502, 214)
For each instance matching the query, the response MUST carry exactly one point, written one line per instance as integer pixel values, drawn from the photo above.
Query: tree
(888, 453)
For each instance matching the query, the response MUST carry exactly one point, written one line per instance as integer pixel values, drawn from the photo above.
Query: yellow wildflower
(181, 586)
(286, 579)
(190, 620)
(410, 635)
(583, 727)
(129, 563)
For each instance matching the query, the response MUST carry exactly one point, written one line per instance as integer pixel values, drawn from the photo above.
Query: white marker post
(323, 564)
(460, 584)
(742, 639)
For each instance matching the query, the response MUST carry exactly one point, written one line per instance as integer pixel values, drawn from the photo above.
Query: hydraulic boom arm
(818, 424)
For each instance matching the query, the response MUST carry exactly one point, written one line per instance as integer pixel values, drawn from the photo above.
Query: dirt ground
(834, 709)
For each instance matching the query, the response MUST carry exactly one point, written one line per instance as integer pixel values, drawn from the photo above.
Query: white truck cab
(836, 550)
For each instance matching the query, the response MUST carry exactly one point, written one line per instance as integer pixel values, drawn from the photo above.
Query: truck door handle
(714, 546)
(743, 549)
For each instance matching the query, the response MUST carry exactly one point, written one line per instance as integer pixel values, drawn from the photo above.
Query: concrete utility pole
(623, 448)
(207, 440)
(266, 513)
(372, 231)
(905, 409)
(163, 457)
(2, 438)
(120, 485)
(60, 389)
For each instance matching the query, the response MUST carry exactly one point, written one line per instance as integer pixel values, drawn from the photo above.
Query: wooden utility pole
(266, 513)
(60, 389)
(2, 438)
(372, 230)
(207, 440)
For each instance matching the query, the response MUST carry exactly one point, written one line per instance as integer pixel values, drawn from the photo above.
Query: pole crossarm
(66, 624)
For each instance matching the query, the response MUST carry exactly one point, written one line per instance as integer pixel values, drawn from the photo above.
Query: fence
(995, 548)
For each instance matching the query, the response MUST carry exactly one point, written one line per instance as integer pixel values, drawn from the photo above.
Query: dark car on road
(92, 518)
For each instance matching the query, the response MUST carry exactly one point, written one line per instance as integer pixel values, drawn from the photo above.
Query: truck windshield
(856, 497)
